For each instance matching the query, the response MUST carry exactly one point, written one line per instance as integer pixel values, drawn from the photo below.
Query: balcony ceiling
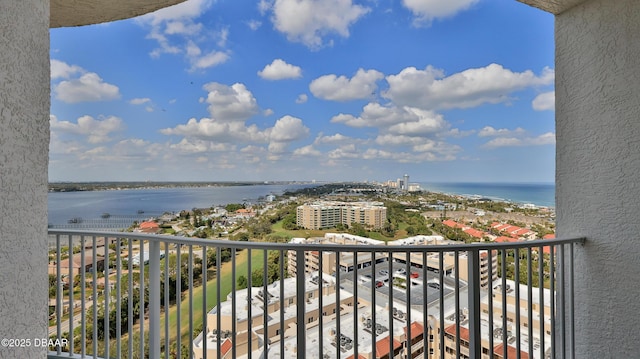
(85, 12)
(553, 6)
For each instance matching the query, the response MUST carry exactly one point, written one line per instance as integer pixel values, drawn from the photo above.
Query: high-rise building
(405, 182)
(329, 214)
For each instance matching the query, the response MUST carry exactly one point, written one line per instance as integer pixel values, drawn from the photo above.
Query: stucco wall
(24, 147)
(598, 169)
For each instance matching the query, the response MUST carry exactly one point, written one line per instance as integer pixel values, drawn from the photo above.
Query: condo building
(319, 215)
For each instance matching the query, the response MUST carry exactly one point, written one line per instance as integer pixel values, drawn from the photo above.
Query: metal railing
(129, 295)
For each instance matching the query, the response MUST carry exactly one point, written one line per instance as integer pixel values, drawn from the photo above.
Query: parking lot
(398, 283)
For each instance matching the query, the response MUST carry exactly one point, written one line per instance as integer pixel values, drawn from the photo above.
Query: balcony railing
(128, 295)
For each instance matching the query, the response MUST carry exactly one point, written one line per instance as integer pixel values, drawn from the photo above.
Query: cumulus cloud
(430, 89)
(176, 30)
(216, 130)
(288, 129)
(302, 98)
(308, 150)
(548, 138)
(310, 21)
(280, 70)
(230, 107)
(340, 88)
(208, 60)
(489, 131)
(88, 88)
(399, 120)
(139, 101)
(336, 138)
(95, 130)
(60, 69)
(426, 11)
(545, 101)
(188, 146)
(230, 103)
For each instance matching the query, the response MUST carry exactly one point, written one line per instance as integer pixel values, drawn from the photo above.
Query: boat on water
(105, 215)
(75, 220)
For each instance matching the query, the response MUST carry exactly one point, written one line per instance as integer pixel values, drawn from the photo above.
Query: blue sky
(327, 90)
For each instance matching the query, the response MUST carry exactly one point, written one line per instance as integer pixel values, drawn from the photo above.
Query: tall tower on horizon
(406, 182)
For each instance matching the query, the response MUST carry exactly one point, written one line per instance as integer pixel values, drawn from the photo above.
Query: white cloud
(139, 101)
(429, 89)
(63, 70)
(426, 11)
(337, 138)
(177, 31)
(545, 101)
(230, 103)
(544, 139)
(89, 87)
(302, 98)
(288, 129)
(398, 120)
(264, 6)
(96, 131)
(199, 146)
(280, 70)
(361, 85)
(211, 59)
(427, 123)
(182, 28)
(307, 151)
(254, 24)
(216, 130)
(309, 21)
(267, 112)
(489, 131)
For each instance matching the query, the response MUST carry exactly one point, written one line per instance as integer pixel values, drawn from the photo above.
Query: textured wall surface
(553, 6)
(84, 12)
(598, 169)
(24, 148)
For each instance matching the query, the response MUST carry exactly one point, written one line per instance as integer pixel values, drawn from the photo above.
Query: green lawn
(225, 289)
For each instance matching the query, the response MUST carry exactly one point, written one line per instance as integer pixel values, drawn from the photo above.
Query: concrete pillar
(598, 169)
(24, 149)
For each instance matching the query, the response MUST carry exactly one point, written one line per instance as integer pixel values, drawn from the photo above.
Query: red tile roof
(382, 346)
(464, 332)
(225, 346)
(451, 223)
(416, 330)
(474, 233)
(503, 239)
(149, 225)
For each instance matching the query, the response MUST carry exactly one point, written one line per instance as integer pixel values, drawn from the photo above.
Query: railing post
(473, 271)
(300, 305)
(154, 298)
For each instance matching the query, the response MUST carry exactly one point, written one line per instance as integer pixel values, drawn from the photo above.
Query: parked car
(414, 275)
(379, 284)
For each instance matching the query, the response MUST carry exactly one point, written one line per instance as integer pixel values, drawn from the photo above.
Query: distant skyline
(326, 90)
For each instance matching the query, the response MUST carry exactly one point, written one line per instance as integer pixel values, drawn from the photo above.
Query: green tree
(241, 282)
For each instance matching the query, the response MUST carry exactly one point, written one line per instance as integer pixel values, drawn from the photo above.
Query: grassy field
(225, 288)
(307, 233)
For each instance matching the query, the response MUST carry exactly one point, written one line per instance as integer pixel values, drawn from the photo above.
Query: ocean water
(126, 206)
(540, 194)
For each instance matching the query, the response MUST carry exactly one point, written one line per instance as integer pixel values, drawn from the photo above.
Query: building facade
(321, 215)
